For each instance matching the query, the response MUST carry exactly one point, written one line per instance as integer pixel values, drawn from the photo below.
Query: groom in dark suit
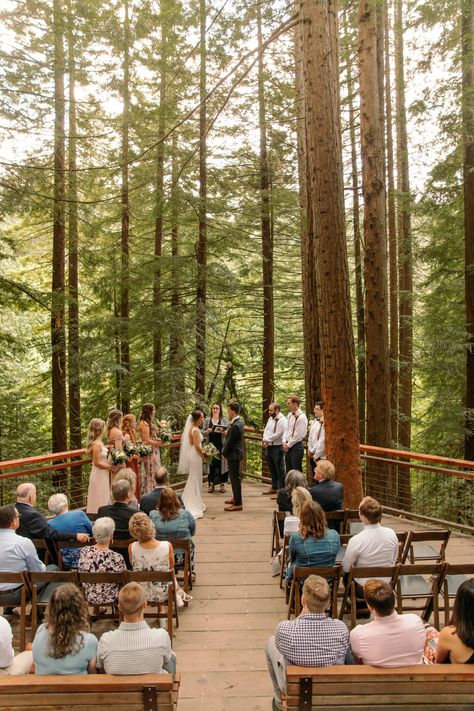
(234, 453)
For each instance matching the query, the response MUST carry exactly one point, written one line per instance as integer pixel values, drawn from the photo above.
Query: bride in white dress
(190, 462)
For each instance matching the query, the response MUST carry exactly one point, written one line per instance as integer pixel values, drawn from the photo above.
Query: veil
(185, 448)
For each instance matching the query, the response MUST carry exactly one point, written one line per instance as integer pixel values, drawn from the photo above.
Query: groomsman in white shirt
(273, 447)
(316, 438)
(296, 427)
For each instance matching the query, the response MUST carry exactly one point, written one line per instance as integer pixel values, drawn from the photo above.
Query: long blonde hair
(113, 419)
(95, 431)
(298, 497)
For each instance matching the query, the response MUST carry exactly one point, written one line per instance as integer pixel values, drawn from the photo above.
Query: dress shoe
(233, 507)
(229, 501)
(270, 491)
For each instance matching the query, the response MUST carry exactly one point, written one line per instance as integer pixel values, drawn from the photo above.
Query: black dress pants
(276, 464)
(294, 457)
(236, 483)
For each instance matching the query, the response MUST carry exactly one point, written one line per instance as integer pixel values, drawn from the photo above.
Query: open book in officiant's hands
(219, 428)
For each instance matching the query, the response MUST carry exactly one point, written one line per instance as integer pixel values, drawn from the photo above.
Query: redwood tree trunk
(318, 35)
(405, 269)
(312, 361)
(75, 438)
(125, 243)
(375, 258)
(58, 338)
(468, 135)
(159, 208)
(268, 364)
(200, 385)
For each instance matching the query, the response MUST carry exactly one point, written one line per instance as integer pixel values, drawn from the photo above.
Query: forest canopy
(156, 237)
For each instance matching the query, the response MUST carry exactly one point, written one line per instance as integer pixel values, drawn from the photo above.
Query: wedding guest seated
(146, 553)
(299, 496)
(149, 502)
(63, 644)
(311, 640)
(100, 559)
(129, 475)
(11, 665)
(17, 553)
(135, 648)
(390, 640)
(34, 525)
(376, 545)
(65, 520)
(173, 522)
(314, 544)
(120, 510)
(293, 479)
(456, 640)
(328, 493)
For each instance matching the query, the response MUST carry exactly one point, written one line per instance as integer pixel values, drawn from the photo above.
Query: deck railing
(432, 489)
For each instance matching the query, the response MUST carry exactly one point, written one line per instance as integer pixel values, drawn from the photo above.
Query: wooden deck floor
(237, 604)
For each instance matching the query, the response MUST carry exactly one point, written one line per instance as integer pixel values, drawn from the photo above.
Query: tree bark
(268, 361)
(375, 258)
(468, 185)
(75, 436)
(125, 241)
(358, 256)
(58, 337)
(392, 240)
(176, 339)
(318, 36)
(159, 208)
(405, 269)
(200, 385)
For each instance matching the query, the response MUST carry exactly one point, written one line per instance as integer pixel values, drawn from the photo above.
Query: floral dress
(150, 463)
(157, 558)
(93, 560)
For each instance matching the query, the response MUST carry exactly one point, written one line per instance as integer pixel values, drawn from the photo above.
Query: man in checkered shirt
(312, 640)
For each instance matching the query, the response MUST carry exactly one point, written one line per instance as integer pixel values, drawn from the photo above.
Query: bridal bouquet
(210, 451)
(144, 450)
(165, 433)
(130, 449)
(118, 456)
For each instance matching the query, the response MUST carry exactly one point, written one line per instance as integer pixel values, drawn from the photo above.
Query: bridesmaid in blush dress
(115, 436)
(129, 427)
(99, 487)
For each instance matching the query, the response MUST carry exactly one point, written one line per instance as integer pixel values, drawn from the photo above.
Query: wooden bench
(436, 686)
(148, 692)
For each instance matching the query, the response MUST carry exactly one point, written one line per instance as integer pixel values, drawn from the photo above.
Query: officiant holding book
(233, 451)
(214, 430)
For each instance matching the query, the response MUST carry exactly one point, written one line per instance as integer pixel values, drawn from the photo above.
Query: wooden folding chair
(42, 586)
(19, 580)
(419, 550)
(402, 539)
(159, 576)
(455, 576)
(183, 545)
(120, 545)
(345, 538)
(389, 572)
(47, 550)
(352, 522)
(338, 519)
(284, 560)
(412, 584)
(331, 573)
(277, 518)
(60, 545)
(111, 578)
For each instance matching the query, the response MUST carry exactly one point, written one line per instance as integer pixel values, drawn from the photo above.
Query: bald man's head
(26, 493)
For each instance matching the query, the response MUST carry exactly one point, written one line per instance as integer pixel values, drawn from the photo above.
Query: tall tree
(375, 256)
(159, 214)
(318, 36)
(268, 360)
(312, 362)
(468, 189)
(125, 222)
(405, 267)
(200, 382)
(58, 338)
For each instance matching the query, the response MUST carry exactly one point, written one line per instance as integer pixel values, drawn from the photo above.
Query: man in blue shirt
(17, 553)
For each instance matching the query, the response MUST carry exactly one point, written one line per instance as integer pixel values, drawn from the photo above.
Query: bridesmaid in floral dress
(149, 435)
(129, 427)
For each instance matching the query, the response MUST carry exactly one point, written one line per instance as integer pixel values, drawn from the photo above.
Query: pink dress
(98, 493)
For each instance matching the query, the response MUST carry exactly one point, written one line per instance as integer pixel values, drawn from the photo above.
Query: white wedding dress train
(192, 494)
